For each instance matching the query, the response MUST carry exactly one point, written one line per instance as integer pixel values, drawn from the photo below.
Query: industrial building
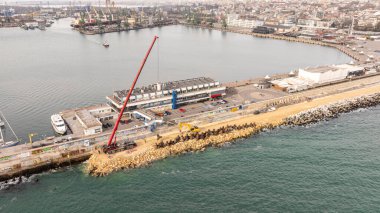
(316, 76)
(90, 124)
(172, 94)
(263, 30)
(325, 74)
(88, 120)
(291, 84)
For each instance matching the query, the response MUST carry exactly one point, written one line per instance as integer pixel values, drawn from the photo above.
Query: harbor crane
(104, 16)
(97, 14)
(90, 20)
(111, 146)
(111, 14)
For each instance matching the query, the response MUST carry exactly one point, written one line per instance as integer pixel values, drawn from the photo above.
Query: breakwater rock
(332, 111)
(100, 164)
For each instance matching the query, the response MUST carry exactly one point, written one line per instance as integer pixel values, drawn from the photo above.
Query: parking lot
(236, 96)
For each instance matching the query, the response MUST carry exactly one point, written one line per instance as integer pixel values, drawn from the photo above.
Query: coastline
(340, 47)
(218, 133)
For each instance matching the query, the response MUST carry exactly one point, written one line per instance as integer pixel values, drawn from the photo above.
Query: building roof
(292, 81)
(333, 68)
(321, 69)
(169, 86)
(87, 119)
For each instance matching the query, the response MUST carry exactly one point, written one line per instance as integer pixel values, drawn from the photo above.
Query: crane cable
(158, 61)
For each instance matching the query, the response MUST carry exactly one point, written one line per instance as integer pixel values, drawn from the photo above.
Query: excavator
(189, 127)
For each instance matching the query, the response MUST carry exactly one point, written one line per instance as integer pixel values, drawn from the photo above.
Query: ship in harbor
(4, 125)
(106, 45)
(58, 124)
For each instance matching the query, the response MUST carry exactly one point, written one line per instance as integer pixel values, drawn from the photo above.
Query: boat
(25, 27)
(8, 144)
(105, 44)
(42, 27)
(3, 143)
(58, 124)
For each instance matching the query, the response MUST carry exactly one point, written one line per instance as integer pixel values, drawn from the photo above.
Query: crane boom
(130, 92)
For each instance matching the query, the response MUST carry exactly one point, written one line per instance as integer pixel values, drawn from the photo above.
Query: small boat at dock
(3, 143)
(58, 124)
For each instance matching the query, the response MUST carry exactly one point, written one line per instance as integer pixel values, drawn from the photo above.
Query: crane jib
(130, 92)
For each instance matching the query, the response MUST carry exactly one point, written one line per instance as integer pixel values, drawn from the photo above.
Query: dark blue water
(45, 72)
(332, 166)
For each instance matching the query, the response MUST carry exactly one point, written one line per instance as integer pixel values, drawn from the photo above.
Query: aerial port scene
(190, 106)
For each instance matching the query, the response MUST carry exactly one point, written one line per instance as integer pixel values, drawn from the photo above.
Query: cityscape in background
(313, 18)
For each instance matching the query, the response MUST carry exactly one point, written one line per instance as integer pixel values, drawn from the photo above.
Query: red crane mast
(130, 92)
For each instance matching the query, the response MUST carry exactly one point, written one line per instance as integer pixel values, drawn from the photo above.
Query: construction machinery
(188, 127)
(112, 146)
(119, 146)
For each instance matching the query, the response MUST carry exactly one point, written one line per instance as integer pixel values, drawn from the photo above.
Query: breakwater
(102, 164)
(332, 111)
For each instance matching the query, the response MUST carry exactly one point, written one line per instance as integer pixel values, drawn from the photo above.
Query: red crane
(130, 92)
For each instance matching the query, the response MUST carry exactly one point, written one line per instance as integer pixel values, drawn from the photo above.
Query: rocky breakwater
(332, 110)
(101, 164)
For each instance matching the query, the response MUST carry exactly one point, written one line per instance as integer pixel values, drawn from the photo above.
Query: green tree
(126, 24)
(224, 23)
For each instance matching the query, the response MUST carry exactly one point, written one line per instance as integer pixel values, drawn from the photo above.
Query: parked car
(182, 110)
(166, 113)
(222, 101)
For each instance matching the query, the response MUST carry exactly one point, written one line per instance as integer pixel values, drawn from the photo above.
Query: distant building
(263, 30)
(234, 21)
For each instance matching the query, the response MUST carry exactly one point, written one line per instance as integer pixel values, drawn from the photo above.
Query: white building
(90, 124)
(324, 74)
(161, 94)
(234, 21)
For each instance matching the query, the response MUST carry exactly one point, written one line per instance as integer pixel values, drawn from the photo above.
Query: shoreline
(217, 133)
(339, 47)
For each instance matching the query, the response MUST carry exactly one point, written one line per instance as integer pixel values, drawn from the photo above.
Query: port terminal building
(89, 120)
(173, 93)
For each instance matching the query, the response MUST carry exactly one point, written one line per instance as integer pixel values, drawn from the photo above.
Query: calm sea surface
(328, 167)
(45, 72)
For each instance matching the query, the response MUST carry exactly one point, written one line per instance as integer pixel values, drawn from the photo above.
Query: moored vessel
(3, 142)
(105, 44)
(58, 124)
